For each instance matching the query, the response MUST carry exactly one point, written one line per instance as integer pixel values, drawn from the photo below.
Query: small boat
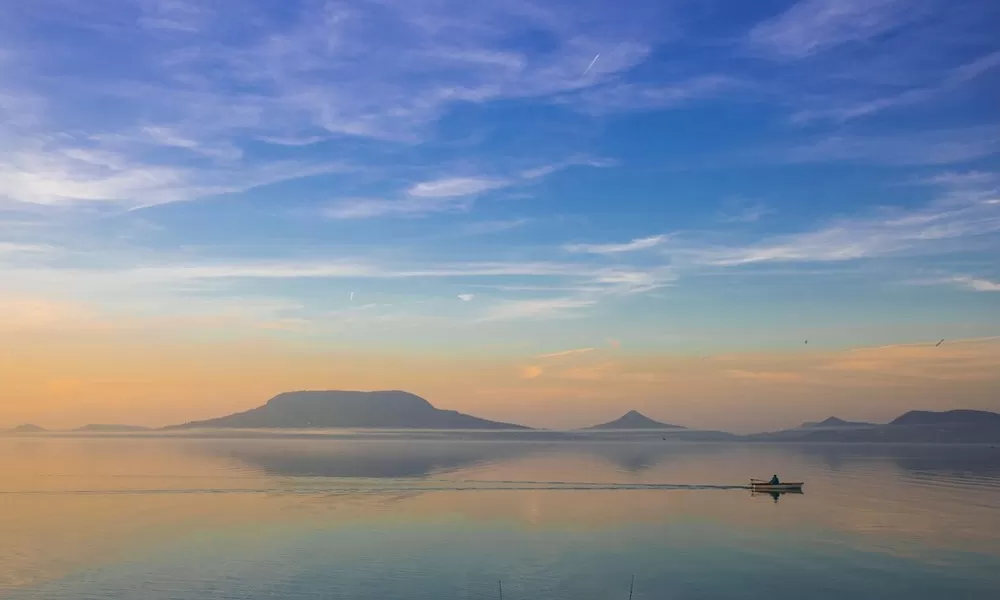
(761, 485)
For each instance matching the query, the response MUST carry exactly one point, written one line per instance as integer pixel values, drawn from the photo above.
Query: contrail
(591, 65)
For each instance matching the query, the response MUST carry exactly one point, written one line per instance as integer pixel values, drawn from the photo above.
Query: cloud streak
(813, 26)
(955, 78)
(456, 186)
(206, 86)
(448, 194)
(567, 307)
(922, 148)
(891, 232)
(635, 245)
(977, 284)
(565, 353)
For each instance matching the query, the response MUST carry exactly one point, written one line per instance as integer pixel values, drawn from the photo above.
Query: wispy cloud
(74, 174)
(206, 86)
(456, 186)
(531, 372)
(977, 284)
(593, 286)
(564, 289)
(936, 147)
(635, 245)
(14, 249)
(356, 268)
(812, 26)
(26, 313)
(939, 226)
(546, 170)
(618, 96)
(448, 194)
(844, 110)
(565, 353)
(766, 376)
(369, 208)
(958, 179)
(490, 227)
(540, 308)
(961, 360)
(738, 210)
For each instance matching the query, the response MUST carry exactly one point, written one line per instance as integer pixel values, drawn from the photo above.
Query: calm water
(389, 516)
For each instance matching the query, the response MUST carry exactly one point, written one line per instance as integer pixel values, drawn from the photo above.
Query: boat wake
(378, 487)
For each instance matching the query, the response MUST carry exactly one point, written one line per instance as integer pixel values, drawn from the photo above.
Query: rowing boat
(761, 485)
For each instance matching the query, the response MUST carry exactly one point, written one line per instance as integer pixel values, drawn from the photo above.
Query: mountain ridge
(915, 426)
(395, 409)
(834, 422)
(383, 409)
(634, 419)
(948, 417)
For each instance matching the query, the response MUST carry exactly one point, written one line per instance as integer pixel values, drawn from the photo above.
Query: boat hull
(779, 487)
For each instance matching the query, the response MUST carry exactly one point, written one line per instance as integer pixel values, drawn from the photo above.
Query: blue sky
(489, 176)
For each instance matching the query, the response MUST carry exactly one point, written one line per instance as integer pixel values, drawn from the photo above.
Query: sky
(725, 214)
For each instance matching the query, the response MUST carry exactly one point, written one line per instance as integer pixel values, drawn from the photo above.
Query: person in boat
(774, 480)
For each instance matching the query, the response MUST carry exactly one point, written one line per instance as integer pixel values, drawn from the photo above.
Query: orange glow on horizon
(159, 380)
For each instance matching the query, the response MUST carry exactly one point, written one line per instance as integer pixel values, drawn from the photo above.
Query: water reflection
(775, 496)
(72, 504)
(366, 458)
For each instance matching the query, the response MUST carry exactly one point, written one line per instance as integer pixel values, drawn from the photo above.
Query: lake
(391, 515)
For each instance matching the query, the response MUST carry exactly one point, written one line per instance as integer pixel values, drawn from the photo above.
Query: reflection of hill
(637, 457)
(634, 461)
(951, 460)
(888, 434)
(374, 459)
(956, 462)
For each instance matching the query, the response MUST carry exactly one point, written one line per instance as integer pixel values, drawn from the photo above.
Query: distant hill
(28, 428)
(950, 417)
(834, 422)
(109, 428)
(348, 409)
(634, 419)
(914, 427)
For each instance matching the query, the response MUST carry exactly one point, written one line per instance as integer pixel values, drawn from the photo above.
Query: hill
(634, 419)
(109, 428)
(348, 409)
(834, 422)
(950, 417)
(28, 428)
(914, 427)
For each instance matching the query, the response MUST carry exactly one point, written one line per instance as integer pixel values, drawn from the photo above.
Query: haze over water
(390, 515)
